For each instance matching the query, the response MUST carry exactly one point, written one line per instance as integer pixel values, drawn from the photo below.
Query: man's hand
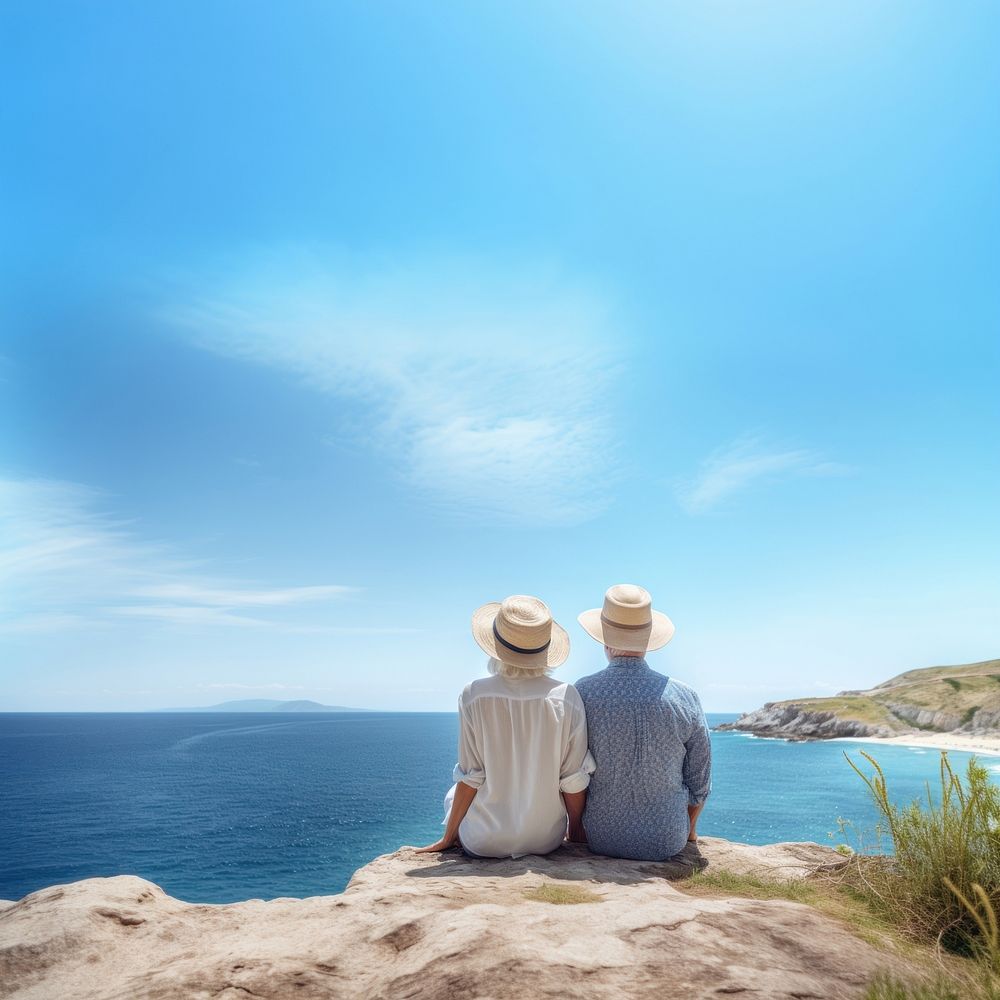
(574, 802)
(442, 845)
(693, 813)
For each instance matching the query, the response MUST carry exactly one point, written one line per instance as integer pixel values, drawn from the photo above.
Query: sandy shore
(988, 746)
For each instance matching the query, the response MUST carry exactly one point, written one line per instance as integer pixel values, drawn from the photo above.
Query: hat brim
(552, 656)
(656, 636)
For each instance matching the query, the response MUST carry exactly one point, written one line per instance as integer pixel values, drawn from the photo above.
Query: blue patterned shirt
(649, 737)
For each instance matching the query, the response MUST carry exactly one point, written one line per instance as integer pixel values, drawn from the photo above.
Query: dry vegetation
(561, 895)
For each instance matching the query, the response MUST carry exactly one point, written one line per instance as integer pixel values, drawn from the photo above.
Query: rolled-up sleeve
(697, 770)
(577, 761)
(470, 768)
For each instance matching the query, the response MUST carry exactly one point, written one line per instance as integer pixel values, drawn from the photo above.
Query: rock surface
(442, 926)
(781, 720)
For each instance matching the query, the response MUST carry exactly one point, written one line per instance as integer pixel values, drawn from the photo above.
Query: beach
(988, 745)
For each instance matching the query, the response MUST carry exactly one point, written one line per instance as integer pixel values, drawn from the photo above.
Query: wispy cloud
(39, 623)
(237, 686)
(486, 394)
(65, 562)
(177, 614)
(230, 598)
(742, 464)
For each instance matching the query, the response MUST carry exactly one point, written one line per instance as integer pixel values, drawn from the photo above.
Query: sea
(216, 808)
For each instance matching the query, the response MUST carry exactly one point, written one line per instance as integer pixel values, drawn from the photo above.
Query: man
(648, 736)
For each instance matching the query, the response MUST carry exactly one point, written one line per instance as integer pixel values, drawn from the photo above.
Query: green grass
(969, 713)
(749, 886)
(933, 903)
(561, 895)
(956, 691)
(943, 850)
(888, 987)
(856, 707)
(845, 902)
(826, 893)
(948, 694)
(940, 673)
(846, 895)
(924, 727)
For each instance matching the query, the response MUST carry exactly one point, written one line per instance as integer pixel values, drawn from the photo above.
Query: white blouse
(522, 741)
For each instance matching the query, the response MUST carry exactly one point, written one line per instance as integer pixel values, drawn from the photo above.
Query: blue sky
(323, 324)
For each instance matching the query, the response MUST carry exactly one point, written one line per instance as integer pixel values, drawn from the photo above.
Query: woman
(523, 764)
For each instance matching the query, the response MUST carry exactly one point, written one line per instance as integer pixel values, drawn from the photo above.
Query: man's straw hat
(520, 631)
(627, 620)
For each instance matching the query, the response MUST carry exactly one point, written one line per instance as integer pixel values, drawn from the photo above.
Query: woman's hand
(442, 845)
(576, 833)
(464, 794)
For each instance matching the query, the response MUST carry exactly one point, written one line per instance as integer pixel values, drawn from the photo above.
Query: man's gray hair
(613, 653)
(496, 666)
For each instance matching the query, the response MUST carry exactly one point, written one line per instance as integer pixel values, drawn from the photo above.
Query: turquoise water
(216, 808)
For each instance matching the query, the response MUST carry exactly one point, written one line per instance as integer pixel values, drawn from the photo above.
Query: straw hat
(628, 621)
(520, 631)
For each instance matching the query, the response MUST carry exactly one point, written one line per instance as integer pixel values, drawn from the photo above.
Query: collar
(627, 661)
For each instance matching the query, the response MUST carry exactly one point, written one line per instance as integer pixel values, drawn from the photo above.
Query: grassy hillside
(984, 668)
(859, 708)
(953, 695)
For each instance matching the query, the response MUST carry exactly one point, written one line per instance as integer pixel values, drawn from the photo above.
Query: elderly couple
(529, 747)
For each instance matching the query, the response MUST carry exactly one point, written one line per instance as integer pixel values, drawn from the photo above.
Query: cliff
(959, 699)
(436, 927)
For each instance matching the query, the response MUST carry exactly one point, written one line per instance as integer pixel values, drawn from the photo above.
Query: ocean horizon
(220, 807)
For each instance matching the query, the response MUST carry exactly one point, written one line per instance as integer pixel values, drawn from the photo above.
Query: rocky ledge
(962, 699)
(429, 926)
(781, 720)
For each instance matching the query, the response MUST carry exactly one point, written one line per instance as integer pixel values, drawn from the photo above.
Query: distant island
(961, 699)
(265, 705)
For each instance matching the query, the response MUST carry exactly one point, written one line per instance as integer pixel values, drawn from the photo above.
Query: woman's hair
(496, 666)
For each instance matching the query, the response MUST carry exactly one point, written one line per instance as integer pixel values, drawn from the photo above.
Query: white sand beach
(988, 746)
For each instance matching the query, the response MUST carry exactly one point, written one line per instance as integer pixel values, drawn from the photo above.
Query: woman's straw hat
(627, 620)
(520, 631)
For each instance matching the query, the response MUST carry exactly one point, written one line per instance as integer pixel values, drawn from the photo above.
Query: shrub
(969, 713)
(944, 880)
